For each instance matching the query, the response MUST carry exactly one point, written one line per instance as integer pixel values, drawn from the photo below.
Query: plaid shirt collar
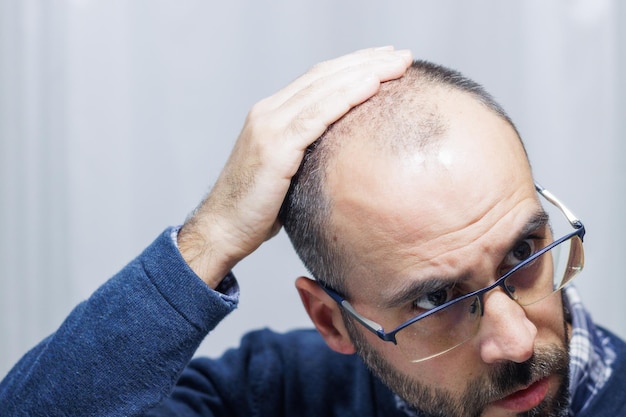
(591, 357)
(591, 354)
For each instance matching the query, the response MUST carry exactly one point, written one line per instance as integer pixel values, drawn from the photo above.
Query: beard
(497, 383)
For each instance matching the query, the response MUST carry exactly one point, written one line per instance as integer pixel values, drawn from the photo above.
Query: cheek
(449, 372)
(548, 316)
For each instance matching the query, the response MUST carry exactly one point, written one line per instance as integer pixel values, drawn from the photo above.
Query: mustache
(509, 377)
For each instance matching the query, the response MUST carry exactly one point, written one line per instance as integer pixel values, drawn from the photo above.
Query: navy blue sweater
(127, 350)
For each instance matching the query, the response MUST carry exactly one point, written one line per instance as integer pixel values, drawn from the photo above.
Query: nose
(506, 333)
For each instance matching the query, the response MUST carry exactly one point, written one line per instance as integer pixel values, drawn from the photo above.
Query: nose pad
(509, 289)
(506, 333)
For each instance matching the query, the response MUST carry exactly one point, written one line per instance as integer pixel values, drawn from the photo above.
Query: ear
(325, 314)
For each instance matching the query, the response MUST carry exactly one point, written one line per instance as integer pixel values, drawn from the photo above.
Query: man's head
(427, 183)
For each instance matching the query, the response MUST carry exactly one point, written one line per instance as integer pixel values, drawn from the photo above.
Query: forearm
(121, 351)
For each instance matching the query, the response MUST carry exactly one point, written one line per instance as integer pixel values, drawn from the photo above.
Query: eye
(522, 251)
(434, 299)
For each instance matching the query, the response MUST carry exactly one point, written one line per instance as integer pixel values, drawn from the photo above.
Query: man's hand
(241, 211)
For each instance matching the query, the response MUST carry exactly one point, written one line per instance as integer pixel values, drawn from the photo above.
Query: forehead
(430, 208)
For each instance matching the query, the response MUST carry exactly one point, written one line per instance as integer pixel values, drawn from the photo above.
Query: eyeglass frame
(378, 330)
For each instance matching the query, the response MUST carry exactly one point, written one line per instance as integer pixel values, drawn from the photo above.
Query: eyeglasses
(445, 324)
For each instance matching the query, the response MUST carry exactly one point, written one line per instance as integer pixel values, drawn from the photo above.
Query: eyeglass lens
(459, 322)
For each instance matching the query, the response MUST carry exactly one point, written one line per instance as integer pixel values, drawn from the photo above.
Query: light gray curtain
(117, 115)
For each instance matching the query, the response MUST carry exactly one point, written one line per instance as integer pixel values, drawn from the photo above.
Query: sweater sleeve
(120, 352)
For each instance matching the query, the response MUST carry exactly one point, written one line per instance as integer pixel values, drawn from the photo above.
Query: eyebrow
(412, 289)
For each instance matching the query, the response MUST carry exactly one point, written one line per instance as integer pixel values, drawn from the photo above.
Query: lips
(526, 398)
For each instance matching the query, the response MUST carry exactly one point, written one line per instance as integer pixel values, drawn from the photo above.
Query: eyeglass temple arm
(370, 325)
(574, 221)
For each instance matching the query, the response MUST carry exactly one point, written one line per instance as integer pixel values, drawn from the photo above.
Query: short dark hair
(401, 116)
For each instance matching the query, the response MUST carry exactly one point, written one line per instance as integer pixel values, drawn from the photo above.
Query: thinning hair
(402, 117)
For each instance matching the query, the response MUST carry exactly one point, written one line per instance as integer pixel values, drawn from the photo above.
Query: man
(417, 214)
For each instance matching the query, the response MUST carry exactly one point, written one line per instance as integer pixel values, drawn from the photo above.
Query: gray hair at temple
(400, 118)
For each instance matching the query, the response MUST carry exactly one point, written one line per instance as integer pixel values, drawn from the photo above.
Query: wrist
(203, 255)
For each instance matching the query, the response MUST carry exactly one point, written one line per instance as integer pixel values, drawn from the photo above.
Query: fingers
(303, 110)
(373, 59)
(311, 110)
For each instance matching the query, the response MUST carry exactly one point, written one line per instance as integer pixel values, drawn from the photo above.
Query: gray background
(117, 116)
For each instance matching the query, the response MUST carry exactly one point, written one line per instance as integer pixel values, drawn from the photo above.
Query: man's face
(452, 212)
